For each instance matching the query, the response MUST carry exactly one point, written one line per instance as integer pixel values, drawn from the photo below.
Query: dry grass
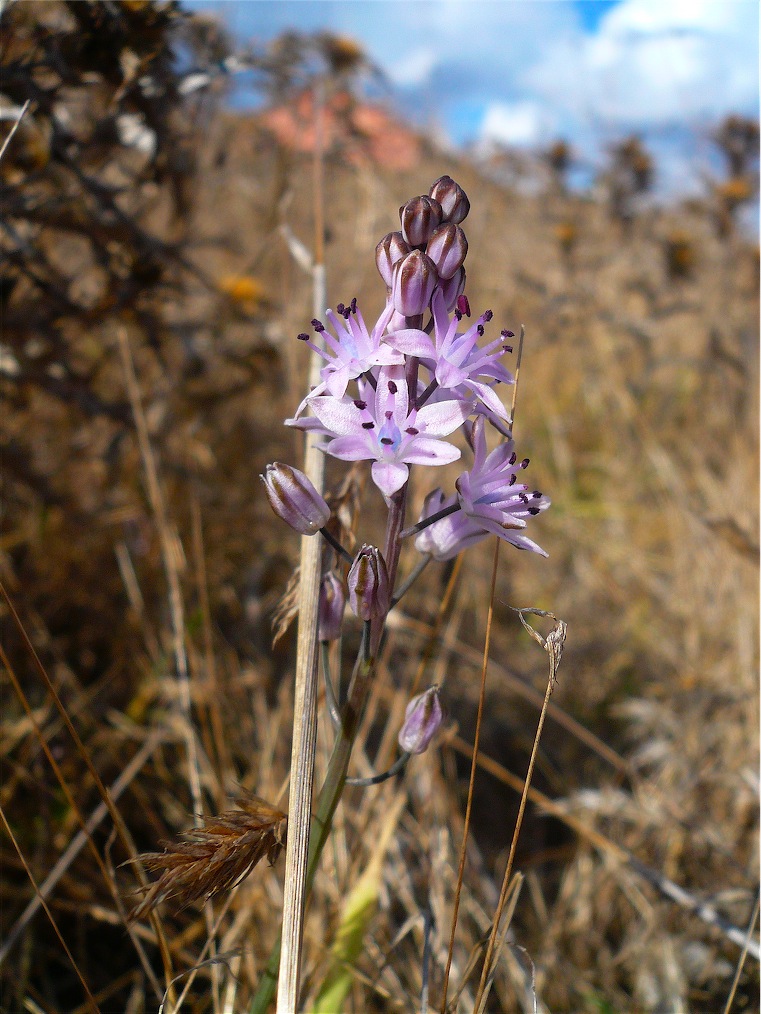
(638, 406)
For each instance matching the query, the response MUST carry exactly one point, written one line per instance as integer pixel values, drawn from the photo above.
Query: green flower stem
(335, 778)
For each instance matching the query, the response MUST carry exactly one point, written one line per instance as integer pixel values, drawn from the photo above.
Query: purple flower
(380, 427)
(331, 608)
(446, 538)
(454, 359)
(293, 498)
(355, 350)
(491, 496)
(422, 720)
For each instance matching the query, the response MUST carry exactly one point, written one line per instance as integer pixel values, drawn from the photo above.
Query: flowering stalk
(395, 395)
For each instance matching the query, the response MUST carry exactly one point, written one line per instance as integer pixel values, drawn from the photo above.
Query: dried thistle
(215, 857)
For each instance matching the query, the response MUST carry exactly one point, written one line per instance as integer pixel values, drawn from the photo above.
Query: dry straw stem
(169, 553)
(604, 845)
(305, 687)
(90, 999)
(553, 645)
(743, 955)
(14, 128)
(471, 784)
(76, 845)
(169, 556)
(105, 797)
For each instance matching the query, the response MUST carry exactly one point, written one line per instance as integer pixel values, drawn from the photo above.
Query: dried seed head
(215, 857)
(369, 592)
(293, 498)
(422, 721)
(420, 217)
(452, 198)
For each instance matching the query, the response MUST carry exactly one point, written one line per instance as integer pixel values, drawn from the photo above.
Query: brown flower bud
(448, 249)
(452, 198)
(390, 250)
(369, 592)
(420, 217)
(414, 280)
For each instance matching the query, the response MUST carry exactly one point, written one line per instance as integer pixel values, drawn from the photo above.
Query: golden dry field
(150, 306)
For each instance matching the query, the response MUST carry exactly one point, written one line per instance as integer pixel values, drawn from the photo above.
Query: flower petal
(389, 476)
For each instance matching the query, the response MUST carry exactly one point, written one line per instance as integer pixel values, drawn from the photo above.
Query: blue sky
(524, 72)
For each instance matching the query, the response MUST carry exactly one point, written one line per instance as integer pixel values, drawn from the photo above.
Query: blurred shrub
(680, 254)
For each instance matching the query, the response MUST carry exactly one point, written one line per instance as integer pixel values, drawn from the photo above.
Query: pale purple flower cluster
(397, 393)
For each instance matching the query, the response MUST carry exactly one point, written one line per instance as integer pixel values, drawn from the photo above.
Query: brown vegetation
(638, 407)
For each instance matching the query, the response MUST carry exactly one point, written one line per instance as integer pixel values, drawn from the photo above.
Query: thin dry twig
(105, 796)
(9, 831)
(469, 806)
(741, 960)
(553, 645)
(14, 128)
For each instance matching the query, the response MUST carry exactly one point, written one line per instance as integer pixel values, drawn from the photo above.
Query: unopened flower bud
(448, 249)
(293, 498)
(369, 593)
(420, 217)
(452, 198)
(452, 288)
(331, 610)
(414, 280)
(390, 250)
(422, 721)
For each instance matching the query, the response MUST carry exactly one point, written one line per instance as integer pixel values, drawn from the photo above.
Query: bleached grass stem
(743, 956)
(554, 661)
(9, 831)
(305, 689)
(14, 128)
(471, 784)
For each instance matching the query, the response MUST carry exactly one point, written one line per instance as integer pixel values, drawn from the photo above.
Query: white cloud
(525, 72)
(653, 63)
(523, 123)
(414, 69)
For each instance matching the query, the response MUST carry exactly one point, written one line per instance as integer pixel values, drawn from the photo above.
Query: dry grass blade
(741, 961)
(553, 645)
(474, 764)
(14, 128)
(8, 830)
(216, 856)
